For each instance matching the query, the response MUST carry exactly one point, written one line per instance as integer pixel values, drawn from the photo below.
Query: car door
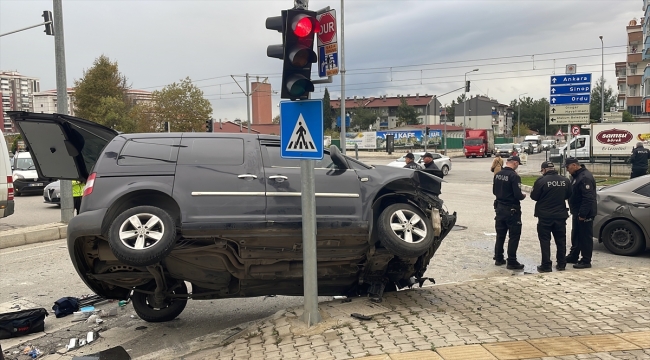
(62, 147)
(338, 198)
(640, 206)
(219, 184)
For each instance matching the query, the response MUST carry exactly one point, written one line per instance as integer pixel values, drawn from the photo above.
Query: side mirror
(12, 168)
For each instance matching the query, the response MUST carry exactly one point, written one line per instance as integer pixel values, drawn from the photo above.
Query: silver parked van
(6, 180)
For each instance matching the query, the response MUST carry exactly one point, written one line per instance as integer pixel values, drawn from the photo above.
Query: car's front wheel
(404, 230)
(142, 235)
(445, 170)
(146, 308)
(622, 237)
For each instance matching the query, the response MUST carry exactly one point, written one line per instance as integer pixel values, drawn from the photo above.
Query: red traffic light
(304, 26)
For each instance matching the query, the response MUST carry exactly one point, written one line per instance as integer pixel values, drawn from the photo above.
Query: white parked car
(25, 177)
(443, 162)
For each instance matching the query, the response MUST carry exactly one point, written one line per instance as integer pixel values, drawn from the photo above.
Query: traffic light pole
(23, 29)
(343, 115)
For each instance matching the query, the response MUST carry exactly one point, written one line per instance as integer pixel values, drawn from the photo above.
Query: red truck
(479, 142)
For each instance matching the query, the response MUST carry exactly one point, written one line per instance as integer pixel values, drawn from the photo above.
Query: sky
(392, 47)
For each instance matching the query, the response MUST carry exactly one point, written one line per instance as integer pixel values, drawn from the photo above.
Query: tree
(595, 107)
(451, 110)
(362, 117)
(276, 119)
(522, 129)
(327, 111)
(406, 114)
(101, 95)
(627, 117)
(182, 105)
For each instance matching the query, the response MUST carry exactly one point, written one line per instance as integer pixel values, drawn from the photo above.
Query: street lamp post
(602, 79)
(465, 102)
(519, 117)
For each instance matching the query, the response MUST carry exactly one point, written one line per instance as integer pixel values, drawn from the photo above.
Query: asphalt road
(30, 210)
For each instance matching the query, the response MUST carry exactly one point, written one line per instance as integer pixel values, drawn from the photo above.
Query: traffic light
(49, 28)
(208, 126)
(300, 28)
(426, 129)
(467, 86)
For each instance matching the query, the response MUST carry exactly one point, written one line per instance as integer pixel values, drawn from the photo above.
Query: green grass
(530, 180)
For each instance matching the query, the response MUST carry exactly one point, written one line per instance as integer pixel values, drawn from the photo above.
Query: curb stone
(33, 234)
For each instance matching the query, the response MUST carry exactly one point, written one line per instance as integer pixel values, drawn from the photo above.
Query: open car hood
(62, 146)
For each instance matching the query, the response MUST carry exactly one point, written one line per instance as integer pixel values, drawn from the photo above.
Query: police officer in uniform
(582, 204)
(410, 162)
(428, 162)
(639, 160)
(508, 213)
(551, 192)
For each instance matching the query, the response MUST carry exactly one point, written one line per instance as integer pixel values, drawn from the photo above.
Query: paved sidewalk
(32, 234)
(601, 312)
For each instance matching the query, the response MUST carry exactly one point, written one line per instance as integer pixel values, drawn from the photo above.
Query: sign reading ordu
(301, 129)
(570, 98)
(328, 49)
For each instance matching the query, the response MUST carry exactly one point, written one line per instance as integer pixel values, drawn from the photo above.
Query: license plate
(36, 184)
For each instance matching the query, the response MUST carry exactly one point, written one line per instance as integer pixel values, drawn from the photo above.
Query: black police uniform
(431, 166)
(551, 192)
(639, 161)
(582, 204)
(508, 213)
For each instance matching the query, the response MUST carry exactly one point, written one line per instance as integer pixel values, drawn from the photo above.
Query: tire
(142, 249)
(398, 217)
(148, 313)
(623, 237)
(467, 157)
(445, 170)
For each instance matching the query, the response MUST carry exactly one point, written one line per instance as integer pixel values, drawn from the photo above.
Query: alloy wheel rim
(408, 226)
(141, 231)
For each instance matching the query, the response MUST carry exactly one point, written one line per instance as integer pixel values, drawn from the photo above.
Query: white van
(6, 180)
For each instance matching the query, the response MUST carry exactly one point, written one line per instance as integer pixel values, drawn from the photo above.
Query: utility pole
(67, 205)
(343, 117)
(519, 117)
(602, 79)
(248, 102)
(465, 103)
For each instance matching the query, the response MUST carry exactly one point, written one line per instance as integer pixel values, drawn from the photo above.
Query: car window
(436, 156)
(24, 164)
(643, 190)
(146, 152)
(271, 157)
(212, 151)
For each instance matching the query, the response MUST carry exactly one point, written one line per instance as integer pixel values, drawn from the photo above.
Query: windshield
(504, 146)
(525, 144)
(25, 164)
(474, 142)
(549, 142)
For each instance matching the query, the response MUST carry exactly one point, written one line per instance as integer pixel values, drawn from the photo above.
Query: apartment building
(46, 101)
(645, 57)
(482, 112)
(16, 94)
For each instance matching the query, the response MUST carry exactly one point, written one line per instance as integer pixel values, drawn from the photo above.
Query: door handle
(247, 176)
(641, 205)
(278, 178)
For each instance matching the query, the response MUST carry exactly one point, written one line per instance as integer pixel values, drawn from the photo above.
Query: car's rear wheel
(445, 170)
(143, 304)
(404, 230)
(142, 235)
(622, 237)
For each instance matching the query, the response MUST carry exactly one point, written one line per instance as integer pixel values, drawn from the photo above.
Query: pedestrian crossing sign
(301, 129)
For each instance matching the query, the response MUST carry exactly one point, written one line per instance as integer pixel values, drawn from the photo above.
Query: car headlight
(18, 176)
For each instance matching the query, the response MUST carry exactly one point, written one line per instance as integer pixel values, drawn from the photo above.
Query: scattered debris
(116, 353)
(65, 306)
(360, 316)
(346, 300)
(109, 312)
(141, 328)
(72, 344)
(82, 342)
(34, 353)
(90, 337)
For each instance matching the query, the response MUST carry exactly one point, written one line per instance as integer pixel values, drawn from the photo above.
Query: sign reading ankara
(301, 129)
(571, 79)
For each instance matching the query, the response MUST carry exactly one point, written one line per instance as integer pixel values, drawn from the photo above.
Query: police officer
(582, 204)
(551, 192)
(77, 194)
(639, 160)
(508, 212)
(428, 162)
(410, 162)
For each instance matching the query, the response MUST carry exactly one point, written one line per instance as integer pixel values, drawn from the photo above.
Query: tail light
(90, 183)
(10, 188)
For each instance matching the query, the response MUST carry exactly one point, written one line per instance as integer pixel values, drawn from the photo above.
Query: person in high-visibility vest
(77, 193)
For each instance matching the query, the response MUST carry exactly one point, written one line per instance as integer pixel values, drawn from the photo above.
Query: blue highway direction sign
(301, 129)
(571, 79)
(570, 89)
(570, 99)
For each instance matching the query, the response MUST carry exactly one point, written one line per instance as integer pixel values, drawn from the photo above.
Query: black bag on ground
(65, 306)
(22, 322)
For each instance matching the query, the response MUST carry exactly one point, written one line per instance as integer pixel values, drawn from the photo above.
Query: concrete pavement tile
(416, 355)
(639, 338)
(377, 357)
(560, 346)
(513, 350)
(474, 352)
(604, 343)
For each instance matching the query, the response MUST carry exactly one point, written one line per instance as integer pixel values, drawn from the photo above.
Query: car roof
(198, 134)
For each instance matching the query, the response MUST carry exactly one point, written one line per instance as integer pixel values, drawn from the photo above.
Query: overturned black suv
(223, 212)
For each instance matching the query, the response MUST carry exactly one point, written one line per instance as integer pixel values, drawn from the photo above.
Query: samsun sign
(614, 137)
